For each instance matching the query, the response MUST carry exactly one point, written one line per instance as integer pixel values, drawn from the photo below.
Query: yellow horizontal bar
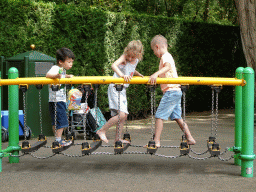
(134, 80)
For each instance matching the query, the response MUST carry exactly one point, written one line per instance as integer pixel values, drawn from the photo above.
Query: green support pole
(247, 154)
(13, 106)
(238, 121)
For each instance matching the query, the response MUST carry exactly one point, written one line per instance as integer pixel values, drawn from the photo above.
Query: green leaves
(98, 38)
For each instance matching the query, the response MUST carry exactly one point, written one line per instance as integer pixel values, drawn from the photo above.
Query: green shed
(30, 64)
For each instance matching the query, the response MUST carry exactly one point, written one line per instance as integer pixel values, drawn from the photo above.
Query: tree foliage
(98, 37)
(211, 11)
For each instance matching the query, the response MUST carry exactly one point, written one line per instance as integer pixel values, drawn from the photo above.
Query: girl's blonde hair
(134, 49)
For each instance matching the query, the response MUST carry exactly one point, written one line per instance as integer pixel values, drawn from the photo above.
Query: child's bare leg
(123, 117)
(57, 132)
(184, 127)
(102, 132)
(111, 122)
(159, 128)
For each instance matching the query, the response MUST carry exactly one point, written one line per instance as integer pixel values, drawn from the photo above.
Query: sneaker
(64, 143)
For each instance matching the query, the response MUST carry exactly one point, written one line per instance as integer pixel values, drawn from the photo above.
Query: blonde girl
(123, 67)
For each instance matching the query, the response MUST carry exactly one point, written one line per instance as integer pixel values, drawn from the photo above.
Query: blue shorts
(62, 120)
(170, 106)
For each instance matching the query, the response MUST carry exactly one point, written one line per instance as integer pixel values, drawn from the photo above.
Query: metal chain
(130, 153)
(197, 158)
(152, 115)
(95, 106)
(47, 157)
(40, 112)
(107, 145)
(197, 152)
(171, 157)
(184, 111)
(226, 150)
(126, 124)
(184, 106)
(118, 125)
(55, 114)
(55, 117)
(102, 153)
(25, 116)
(222, 159)
(68, 155)
(212, 116)
(216, 112)
(154, 100)
(85, 115)
(17, 155)
(162, 146)
(134, 152)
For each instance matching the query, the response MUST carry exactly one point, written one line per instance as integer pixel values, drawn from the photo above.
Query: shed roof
(33, 56)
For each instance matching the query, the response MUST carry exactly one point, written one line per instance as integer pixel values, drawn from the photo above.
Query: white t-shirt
(172, 73)
(57, 96)
(127, 69)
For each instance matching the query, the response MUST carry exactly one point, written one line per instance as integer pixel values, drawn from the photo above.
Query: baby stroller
(82, 113)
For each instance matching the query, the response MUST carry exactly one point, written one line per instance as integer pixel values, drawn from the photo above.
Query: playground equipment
(26, 147)
(244, 111)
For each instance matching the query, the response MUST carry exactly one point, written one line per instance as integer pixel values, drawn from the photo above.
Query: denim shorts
(62, 120)
(170, 106)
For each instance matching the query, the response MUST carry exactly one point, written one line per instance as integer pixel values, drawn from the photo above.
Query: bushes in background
(99, 37)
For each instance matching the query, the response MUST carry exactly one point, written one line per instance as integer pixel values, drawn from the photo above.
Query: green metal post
(13, 106)
(238, 121)
(247, 154)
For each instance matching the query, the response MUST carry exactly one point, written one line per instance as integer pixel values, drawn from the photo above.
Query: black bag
(91, 125)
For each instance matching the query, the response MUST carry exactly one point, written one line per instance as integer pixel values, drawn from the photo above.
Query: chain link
(171, 157)
(225, 151)
(68, 155)
(227, 159)
(212, 116)
(37, 157)
(55, 117)
(216, 112)
(130, 153)
(184, 112)
(134, 152)
(40, 112)
(96, 102)
(107, 145)
(25, 116)
(197, 152)
(118, 125)
(197, 158)
(102, 153)
(17, 155)
(152, 114)
(85, 115)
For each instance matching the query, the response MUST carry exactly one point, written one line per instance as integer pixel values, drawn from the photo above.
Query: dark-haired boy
(65, 58)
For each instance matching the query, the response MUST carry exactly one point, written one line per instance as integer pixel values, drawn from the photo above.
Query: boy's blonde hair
(135, 49)
(160, 40)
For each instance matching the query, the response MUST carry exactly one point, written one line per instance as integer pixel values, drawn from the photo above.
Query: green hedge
(98, 38)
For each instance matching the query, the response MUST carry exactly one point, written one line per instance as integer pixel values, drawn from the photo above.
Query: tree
(247, 20)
